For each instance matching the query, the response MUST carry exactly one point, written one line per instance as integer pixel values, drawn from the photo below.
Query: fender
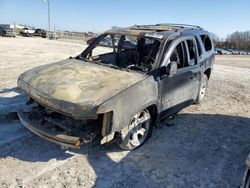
(130, 101)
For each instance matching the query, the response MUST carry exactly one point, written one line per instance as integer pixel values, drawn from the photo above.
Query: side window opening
(206, 42)
(179, 55)
(191, 51)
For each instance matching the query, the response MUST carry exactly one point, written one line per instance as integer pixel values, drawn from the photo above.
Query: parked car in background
(26, 32)
(1, 31)
(40, 33)
(220, 51)
(7, 32)
(236, 52)
(233, 52)
(243, 53)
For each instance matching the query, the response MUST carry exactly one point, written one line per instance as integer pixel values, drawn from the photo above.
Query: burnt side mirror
(171, 68)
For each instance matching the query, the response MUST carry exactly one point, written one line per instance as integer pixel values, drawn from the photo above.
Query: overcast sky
(220, 17)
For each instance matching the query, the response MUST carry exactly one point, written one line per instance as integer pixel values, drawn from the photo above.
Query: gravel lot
(205, 146)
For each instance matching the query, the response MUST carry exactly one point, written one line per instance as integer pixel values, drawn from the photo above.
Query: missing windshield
(130, 52)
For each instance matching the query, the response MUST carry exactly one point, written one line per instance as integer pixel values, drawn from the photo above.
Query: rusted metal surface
(64, 140)
(129, 32)
(75, 87)
(137, 31)
(107, 123)
(130, 101)
(112, 87)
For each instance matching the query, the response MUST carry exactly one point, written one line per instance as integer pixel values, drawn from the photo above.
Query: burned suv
(119, 92)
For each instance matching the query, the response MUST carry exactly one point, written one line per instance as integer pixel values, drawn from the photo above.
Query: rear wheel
(136, 133)
(203, 89)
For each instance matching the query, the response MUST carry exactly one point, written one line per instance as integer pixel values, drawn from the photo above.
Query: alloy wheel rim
(140, 123)
(203, 89)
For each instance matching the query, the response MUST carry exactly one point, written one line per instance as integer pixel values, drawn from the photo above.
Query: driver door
(180, 89)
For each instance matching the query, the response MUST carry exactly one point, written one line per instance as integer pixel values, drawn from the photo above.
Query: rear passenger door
(193, 67)
(208, 51)
(181, 89)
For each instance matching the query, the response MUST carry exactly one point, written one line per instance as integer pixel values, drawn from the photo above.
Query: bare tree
(216, 39)
(239, 40)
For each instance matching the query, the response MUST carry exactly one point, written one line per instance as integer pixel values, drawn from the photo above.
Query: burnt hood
(72, 81)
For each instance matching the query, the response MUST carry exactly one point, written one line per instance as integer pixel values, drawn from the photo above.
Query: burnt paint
(75, 87)
(130, 101)
(134, 97)
(182, 86)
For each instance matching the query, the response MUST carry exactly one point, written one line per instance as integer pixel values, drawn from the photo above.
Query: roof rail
(180, 25)
(156, 27)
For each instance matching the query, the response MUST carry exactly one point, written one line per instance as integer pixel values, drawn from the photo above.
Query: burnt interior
(86, 129)
(136, 53)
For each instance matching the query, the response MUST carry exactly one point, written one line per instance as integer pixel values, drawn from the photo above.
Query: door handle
(194, 76)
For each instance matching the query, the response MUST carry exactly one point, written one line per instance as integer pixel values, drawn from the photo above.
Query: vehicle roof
(160, 31)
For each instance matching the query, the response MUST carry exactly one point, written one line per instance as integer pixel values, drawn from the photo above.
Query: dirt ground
(203, 146)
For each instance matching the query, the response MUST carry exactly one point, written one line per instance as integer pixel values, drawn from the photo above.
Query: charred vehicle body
(119, 92)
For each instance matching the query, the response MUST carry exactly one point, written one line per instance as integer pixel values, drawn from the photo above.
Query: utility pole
(48, 13)
(48, 3)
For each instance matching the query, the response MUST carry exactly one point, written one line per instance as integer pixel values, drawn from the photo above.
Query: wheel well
(208, 72)
(153, 113)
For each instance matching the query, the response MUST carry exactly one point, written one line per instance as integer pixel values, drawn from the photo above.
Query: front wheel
(136, 133)
(203, 89)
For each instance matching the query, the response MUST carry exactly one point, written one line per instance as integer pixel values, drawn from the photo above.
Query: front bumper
(61, 139)
(58, 128)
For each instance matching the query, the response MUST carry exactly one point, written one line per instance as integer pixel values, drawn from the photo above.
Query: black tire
(137, 132)
(203, 89)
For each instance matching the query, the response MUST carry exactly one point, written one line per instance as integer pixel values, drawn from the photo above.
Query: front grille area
(86, 129)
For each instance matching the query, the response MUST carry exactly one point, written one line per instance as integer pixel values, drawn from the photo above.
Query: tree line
(237, 40)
